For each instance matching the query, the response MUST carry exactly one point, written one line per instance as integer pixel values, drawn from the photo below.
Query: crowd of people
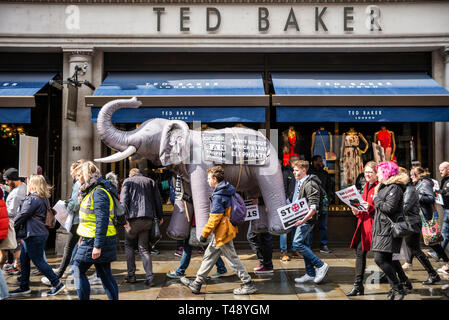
(389, 193)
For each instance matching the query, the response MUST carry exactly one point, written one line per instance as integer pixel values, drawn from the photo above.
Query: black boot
(408, 284)
(356, 290)
(433, 275)
(434, 278)
(396, 293)
(383, 278)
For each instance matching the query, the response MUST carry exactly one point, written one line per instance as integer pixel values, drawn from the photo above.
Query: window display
(386, 139)
(351, 163)
(322, 143)
(290, 138)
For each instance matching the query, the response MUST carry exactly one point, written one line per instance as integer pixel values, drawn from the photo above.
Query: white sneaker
(407, 266)
(45, 281)
(304, 278)
(433, 255)
(321, 273)
(93, 280)
(443, 270)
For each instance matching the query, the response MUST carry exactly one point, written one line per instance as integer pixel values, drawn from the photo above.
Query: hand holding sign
(351, 197)
(293, 212)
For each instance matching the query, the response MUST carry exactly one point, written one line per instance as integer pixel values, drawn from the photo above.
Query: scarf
(85, 186)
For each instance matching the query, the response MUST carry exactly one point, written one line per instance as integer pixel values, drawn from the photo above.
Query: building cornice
(218, 2)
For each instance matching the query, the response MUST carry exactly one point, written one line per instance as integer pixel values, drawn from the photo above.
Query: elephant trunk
(116, 139)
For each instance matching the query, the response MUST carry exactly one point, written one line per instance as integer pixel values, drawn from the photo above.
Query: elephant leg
(271, 186)
(180, 221)
(260, 225)
(201, 191)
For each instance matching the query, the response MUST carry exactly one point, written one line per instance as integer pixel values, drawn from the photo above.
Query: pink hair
(388, 169)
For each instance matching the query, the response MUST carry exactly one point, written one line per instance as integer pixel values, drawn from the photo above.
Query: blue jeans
(104, 272)
(33, 249)
(283, 239)
(185, 260)
(302, 243)
(445, 229)
(323, 228)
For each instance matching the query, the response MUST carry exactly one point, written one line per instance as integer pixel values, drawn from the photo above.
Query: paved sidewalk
(278, 286)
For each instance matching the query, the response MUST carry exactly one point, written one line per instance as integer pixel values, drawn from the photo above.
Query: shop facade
(287, 40)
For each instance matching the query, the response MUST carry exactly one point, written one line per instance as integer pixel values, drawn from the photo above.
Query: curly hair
(388, 169)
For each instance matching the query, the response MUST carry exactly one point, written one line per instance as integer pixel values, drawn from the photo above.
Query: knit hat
(11, 174)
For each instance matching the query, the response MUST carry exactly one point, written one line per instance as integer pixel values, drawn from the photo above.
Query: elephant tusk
(118, 156)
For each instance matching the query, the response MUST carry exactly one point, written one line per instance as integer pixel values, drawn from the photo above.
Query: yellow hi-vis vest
(87, 217)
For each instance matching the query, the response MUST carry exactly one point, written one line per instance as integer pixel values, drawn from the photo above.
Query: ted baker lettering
(292, 21)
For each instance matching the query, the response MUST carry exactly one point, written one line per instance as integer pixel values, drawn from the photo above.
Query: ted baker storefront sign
(219, 21)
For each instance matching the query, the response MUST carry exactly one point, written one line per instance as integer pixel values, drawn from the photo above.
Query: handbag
(10, 242)
(155, 232)
(400, 228)
(329, 156)
(431, 230)
(50, 219)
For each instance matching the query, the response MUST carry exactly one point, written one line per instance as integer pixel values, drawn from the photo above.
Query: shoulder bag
(431, 230)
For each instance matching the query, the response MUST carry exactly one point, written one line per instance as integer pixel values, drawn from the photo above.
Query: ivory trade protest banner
(293, 212)
(252, 210)
(351, 197)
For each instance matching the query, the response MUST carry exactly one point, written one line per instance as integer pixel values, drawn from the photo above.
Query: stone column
(77, 140)
(440, 63)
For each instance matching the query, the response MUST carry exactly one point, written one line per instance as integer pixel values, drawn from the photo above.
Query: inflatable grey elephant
(247, 156)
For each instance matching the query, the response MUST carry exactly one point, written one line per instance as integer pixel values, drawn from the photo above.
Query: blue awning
(348, 97)
(187, 114)
(17, 90)
(189, 96)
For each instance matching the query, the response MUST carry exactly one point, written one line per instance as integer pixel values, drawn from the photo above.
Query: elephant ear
(175, 147)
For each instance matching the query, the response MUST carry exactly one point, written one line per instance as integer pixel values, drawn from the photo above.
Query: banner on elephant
(293, 212)
(235, 148)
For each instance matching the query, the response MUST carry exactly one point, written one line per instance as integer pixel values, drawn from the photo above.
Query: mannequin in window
(321, 143)
(351, 164)
(386, 139)
(290, 138)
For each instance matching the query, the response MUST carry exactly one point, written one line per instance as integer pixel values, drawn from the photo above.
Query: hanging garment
(291, 148)
(351, 164)
(321, 144)
(384, 137)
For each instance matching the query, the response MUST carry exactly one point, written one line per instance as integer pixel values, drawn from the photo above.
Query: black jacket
(326, 182)
(444, 190)
(426, 196)
(411, 208)
(310, 189)
(287, 175)
(388, 202)
(141, 196)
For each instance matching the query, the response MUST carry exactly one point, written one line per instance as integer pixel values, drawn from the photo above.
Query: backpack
(120, 212)
(238, 210)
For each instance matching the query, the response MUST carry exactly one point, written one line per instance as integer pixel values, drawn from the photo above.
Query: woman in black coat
(412, 241)
(388, 204)
(424, 185)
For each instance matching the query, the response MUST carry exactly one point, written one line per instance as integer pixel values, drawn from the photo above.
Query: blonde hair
(133, 171)
(300, 164)
(37, 184)
(88, 169)
(76, 165)
(372, 165)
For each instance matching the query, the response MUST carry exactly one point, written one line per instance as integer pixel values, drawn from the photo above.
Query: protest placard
(293, 212)
(63, 216)
(351, 197)
(436, 190)
(252, 210)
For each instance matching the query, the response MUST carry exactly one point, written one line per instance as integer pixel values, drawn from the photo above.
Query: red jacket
(364, 229)
(4, 221)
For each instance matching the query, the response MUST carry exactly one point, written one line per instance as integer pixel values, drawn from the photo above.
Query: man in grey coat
(142, 198)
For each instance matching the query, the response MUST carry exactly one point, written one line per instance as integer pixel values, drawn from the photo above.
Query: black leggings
(360, 263)
(385, 262)
(413, 242)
